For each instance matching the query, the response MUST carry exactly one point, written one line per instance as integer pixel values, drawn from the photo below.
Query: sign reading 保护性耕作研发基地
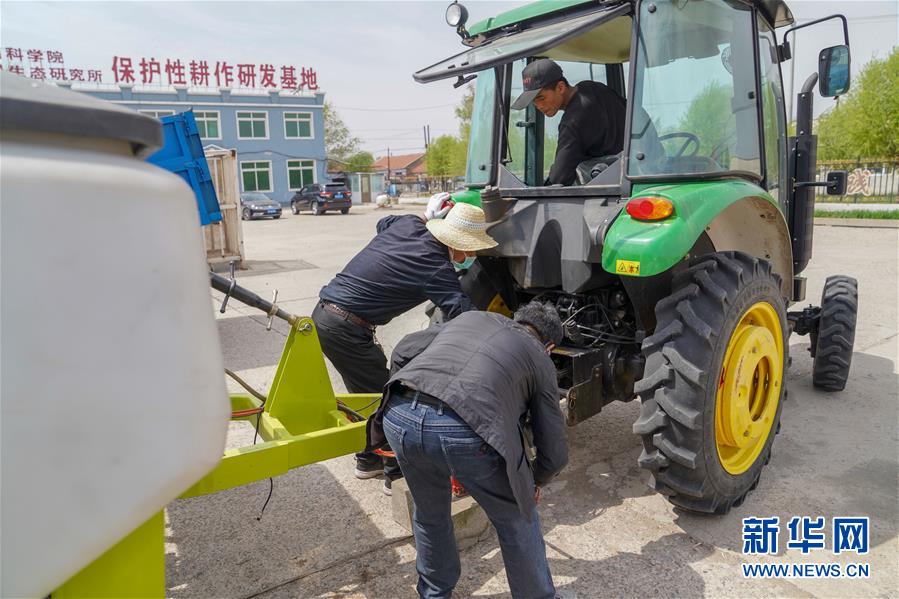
(50, 65)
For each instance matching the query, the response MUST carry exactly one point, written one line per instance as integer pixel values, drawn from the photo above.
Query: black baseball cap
(535, 77)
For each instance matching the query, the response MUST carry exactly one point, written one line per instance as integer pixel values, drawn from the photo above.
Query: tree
(711, 119)
(360, 162)
(443, 157)
(339, 142)
(447, 154)
(463, 113)
(865, 122)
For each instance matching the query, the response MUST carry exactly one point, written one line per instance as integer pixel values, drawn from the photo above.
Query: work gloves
(439, 205)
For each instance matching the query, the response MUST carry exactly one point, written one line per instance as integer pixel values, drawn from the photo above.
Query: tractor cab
(687, 70)
(672, 259)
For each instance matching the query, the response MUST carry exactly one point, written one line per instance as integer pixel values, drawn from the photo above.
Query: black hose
(350, 412)
(245, 296)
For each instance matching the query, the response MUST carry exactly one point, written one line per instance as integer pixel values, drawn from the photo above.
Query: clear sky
(363, 52)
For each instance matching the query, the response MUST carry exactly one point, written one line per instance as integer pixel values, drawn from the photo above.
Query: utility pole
(424, 131)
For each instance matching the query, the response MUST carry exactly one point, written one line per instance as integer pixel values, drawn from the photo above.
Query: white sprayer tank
(112, 388)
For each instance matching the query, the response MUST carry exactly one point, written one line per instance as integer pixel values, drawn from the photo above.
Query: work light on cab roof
(457, 16)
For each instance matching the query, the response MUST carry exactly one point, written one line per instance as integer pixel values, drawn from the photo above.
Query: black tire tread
(836, 333)
(675, 377)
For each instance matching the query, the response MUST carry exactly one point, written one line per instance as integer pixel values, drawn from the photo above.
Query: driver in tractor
(593, 123)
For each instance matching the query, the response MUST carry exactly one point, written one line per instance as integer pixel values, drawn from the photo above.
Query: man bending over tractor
(408, 262)
(456, 404)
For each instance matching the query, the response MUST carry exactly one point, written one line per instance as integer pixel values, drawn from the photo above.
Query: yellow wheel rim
(499, 306)
(749, 388)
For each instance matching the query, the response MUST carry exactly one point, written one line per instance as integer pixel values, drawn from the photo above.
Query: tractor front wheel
(836, 333)
(713, 383)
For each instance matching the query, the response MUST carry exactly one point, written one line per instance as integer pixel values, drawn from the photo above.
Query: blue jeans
(432, 443)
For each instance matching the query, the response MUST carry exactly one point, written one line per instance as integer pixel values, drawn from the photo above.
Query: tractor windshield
(694, 101)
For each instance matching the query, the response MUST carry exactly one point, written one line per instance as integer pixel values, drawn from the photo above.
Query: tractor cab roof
(775, 11)
(586, 30)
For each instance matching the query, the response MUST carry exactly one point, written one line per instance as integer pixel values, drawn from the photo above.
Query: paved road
(327, 534)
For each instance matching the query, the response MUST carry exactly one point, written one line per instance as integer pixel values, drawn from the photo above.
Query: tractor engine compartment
(599, 358)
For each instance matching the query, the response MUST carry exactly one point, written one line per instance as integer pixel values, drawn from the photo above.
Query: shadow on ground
(217, 548)
(326, 542)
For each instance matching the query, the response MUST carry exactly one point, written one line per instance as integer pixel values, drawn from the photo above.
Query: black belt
(346, 315)
(403, 392)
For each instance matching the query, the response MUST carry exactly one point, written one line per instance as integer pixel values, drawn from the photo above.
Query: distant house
(408, 171)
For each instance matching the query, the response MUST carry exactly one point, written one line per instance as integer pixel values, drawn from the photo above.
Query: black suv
(322, 197)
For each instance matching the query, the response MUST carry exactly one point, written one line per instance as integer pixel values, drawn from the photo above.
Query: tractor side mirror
(836, 183)
(833, 71)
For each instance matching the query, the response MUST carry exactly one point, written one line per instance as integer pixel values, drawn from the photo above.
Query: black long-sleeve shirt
(403, 266)
(592, 126)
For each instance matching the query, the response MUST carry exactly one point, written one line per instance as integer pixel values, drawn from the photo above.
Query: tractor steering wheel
(691, 139)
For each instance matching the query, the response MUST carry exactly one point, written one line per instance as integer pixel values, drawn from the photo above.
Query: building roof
(398, 161)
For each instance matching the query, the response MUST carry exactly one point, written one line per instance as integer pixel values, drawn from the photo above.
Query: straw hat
(464, 228)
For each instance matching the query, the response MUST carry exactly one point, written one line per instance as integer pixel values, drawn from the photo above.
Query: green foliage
(340, 144)
(550, 144)
(447, 154)
(865, 123)
(870, 214)
(709, 117)
(463, 113)
(443, 157)
(517, 143)
(360, 162)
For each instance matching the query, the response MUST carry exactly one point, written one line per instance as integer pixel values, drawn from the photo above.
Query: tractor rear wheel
(836, 333)
(713, 383)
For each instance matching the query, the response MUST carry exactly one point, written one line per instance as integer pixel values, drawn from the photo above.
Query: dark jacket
(492, 372)
(592, 126)
(400, 268)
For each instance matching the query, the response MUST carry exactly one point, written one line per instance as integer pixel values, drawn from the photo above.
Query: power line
(394, 109)
(407, 137)
(399, 149)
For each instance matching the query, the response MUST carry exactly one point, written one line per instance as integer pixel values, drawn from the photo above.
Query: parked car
(258, 205)
(320, 198)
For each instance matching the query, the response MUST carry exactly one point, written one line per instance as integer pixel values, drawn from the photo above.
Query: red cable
(247, 412)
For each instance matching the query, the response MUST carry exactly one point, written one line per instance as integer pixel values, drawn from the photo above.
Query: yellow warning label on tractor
(627, 267)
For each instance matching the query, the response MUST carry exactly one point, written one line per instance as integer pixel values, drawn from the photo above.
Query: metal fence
(870, 180)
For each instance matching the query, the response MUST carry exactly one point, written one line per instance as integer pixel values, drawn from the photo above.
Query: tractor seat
(589, 169)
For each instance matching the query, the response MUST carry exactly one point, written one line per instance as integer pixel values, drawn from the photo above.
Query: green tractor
(672, 263)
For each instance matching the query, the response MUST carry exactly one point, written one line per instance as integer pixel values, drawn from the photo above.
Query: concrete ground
(327, 534)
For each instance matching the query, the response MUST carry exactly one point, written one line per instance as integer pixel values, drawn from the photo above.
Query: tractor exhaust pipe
(803, 162)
